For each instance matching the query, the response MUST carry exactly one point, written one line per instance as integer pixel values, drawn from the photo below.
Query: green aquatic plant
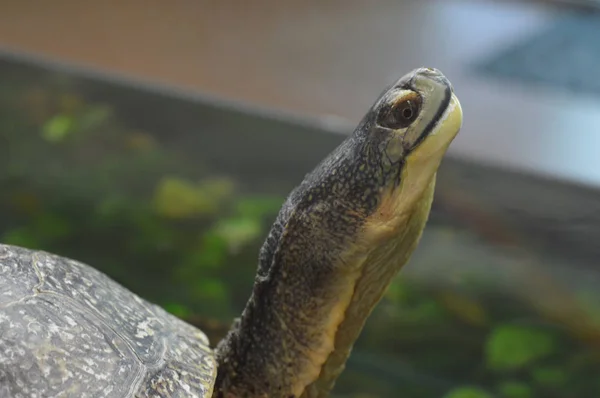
(515, 389)
(468, 392)
(512, 347)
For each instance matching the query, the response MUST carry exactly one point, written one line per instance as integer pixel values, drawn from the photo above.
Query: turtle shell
(68, 330)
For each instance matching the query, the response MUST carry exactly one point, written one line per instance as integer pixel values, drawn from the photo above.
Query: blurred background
(156, 141)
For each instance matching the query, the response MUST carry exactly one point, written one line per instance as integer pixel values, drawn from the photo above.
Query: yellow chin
(422, 164)
(435, 145)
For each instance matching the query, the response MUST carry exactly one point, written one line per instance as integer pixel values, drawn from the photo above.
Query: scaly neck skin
(298, 329)
(369, 290)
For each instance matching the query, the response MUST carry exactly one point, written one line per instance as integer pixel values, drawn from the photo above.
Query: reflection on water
(500, 299)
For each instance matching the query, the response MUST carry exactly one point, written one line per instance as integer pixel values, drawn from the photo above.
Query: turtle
(340, 237)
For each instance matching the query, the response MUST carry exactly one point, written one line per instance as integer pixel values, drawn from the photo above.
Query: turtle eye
(402, 113)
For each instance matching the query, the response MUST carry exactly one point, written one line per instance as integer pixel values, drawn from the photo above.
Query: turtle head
(407, 132)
